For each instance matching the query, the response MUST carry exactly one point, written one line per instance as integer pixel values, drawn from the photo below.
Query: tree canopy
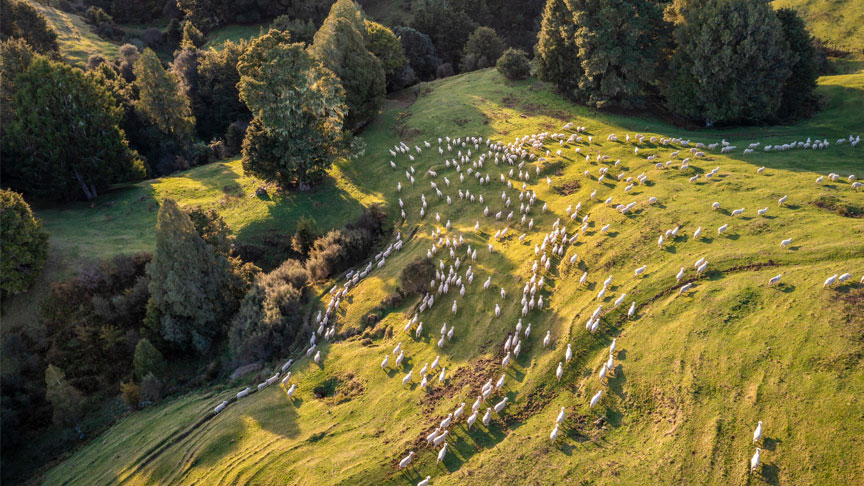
(161, 99)
(298, 108)
(482, 49)
(25, 244)
(20, 20)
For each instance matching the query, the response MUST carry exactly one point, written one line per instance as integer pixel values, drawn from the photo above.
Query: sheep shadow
(794, 248)
(770, 444)
(770, 473)
(786, 288)
(670, 249)
(611, 234)
(792, 206)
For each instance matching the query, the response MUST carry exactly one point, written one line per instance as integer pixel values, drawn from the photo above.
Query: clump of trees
(298, 107)
(727, 61)
(25, 244)
(19, 20)
(341, 249)
(514, 64)
(482, 49)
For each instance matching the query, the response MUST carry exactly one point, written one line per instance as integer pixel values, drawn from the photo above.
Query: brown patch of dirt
(568, 188)
(835, 205)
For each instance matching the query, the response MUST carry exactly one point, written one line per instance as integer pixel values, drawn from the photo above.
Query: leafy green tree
(218, 102)
(300, 30)
(447, 26)
(161, 99)
(192, 37)
(341, 48)
(66, 400)
(731, 62)
(20, 20)
(25, 244)
(557, 59)
(148, 360)
(482, 49)
(65, 137)
(798, 94)
(514, 64)
(386, 46)
(298, 107)
(419, 52)
(15, 57)
(270, 318)
(190, 283)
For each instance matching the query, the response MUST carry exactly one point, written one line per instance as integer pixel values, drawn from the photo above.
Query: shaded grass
(75, 37)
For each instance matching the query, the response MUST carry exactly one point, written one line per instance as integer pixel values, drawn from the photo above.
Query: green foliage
(160, 98)
(66, 400)
(731, 62)
(383, 43)
(340, 249)
(130, 393)
(192, 37)
(417, 275)
(65, 138)
(304, 236)
(190, 283)
(603, 53)
(419, 52)
(15, 57)
(218, 101)
(270, 317)
(482, 49)
(514, 64)
(98, 16)
(148, 360)
(448, 27)
(339, 45)
(804, 69)
(151, 388)
(25, 244)
(298, 108)
(18, 19)
(300, 30)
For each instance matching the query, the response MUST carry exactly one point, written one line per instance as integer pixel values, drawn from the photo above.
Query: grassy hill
(75, 37)
(694, 373)
(839, 23)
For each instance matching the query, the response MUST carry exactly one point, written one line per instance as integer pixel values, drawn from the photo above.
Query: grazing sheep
(830, 281)
(757, 434)
(596, 398)
(774, 280)
(406, 461)
(785, 243)
(754, 461)
(559, 372)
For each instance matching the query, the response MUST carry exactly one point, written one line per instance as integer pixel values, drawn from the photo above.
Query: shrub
(514, 64)
(151, 388)
(148, 360)
(18, 19)
(25, 244)
(131, 394)
(482, 49)
(416, 276)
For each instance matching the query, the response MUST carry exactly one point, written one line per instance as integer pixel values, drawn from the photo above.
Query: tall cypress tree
(557, 60)
(340, 46)
(730, 64)
(161, 99)
(190, 283)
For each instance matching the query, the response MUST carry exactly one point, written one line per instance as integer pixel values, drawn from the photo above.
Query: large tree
(556, 59)
(218, 103)
(730, 64)
(161, 99)
(20, 20)
(67, 402)
(25, 244)
(64, 140)
(190, 283)
(482, 49)
(448, 27)
(386, 46)
(298, 108)
(341, 48)
(804, 69)
(419, 52)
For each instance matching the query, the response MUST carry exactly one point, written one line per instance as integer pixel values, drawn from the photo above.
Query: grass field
(693, 375)
(76, 39)
(234, 33)
(839, 23)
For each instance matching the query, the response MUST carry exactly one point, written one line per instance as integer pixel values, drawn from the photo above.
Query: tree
(731, 62)
(482, 49)
(25, 244)
(804, 67)
(270, 318)
(20, 20)
(161, 99)
(298, 108)
(340, 47)
(131, 394)
(448, 27)
(514, 64)
(65, 138)
(419, 52)
(218, 102)
(67, 401)
(557, 60)
(190, 283)
(304, 236)
(148, 360)
(15, 57)
(192, 37)
(383, 43)
(300, 30)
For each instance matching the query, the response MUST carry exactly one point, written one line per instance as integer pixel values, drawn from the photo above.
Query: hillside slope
(75, 37)
(839, 23)
(693, 373)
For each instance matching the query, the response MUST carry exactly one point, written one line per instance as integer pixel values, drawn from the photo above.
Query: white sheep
(559, 372)
(774, 279)
(406, 461)
(830, 281)
(757, 434)
(754, 461)
(596, 398)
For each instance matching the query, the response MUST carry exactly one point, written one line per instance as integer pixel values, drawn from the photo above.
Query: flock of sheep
(553, 246)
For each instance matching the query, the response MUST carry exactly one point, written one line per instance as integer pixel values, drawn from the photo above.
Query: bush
(339, 250)
(416, 276)
(152, 37)
(25, 244)
(131, 394)
(18, 19)
(300, 30)
(151, 389)
(514, 64)
(304, 236)
(148, 360)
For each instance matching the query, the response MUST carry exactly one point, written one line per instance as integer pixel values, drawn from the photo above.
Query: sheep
(754, 461)
(830, 281)
(407, 378)
(631, 310)
(782, 200)
(774, 280)
(291, 391)
(406, 461)
(424, 482)
(640, 270)
(760, 170)
(568, 355)
(500, 405)
(596, 398)
(619, 300)
(685, 288)
(559, 372)
(487, 417)
(437, 441)
(757, 434)
(385, 362)
(472, 419)
(697, 233)
(785, 243)
(722, 229)
(844, 277)
(715, 206)
(737, 212)
(547, 339)
(243, 393)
